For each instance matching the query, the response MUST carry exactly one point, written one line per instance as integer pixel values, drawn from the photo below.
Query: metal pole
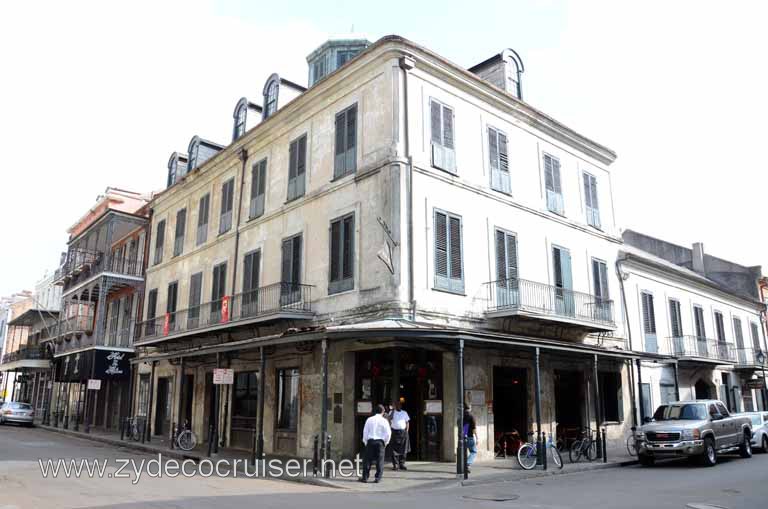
(640, 392)
(537, 399)
(324, 400)
(47, 408)
(598, 409)
(765, 391)
(260, 421)
(677, 383)
(180, 421)
(216, 403)
(79, 404)
(87, 396)
(148, 423)
(460, 409)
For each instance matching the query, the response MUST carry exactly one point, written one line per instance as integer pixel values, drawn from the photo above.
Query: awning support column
(148, 423)
(598, 412)
(460, 449)
(180, 421)
(677, 382)
(640, 392)
(537, 400)
(260, 422)
(324, 404)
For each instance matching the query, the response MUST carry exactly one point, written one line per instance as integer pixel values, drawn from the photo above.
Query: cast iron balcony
(746, 358)
(519, 297)
(23, 354)
(83, 264)
(288, 301)
(700, 348)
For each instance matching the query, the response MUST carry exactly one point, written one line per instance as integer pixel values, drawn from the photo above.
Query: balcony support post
(324, 403)
(49, 400)
(677, 382)
(460, 451)
(180, 420)
(90, 414)
(598, 412)
(537, 397)
(148, 423)
(260, 422)
(640, 392)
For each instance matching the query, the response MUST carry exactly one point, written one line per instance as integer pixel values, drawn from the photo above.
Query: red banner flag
(225, 309)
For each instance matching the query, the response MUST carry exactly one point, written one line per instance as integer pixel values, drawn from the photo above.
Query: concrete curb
(534, 474)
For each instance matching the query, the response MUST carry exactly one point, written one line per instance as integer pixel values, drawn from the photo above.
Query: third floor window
(499, 160)
(442, 136)
(345, 154)
(203, 211)
(590, 200)
(297, 167)
(227, 199)
(159, 241)
(554, 190)
(258, 189)
(181, 226)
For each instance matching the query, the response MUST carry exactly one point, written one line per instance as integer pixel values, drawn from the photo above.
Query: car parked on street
(699, 429)
(16, 412)
(759, 429)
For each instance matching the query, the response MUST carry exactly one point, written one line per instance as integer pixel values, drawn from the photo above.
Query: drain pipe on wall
(243, 154)
(407, 63)
(620, 275)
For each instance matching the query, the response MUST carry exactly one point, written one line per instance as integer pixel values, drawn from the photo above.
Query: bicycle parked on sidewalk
(632, 443)
(134, 428)
(528, 453)
(186, 440)
(585, 447)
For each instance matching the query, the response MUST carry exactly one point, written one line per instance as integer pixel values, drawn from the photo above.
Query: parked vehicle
(759, 429)
(699, 429)
(19, 413)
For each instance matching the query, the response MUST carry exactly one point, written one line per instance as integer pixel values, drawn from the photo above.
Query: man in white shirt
(376, 435)
(401, 423)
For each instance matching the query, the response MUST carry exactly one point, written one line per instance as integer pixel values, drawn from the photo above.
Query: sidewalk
(420, 474)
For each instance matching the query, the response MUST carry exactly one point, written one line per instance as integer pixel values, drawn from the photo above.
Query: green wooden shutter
(347, 261)
(341, 145)
(436, 122)
(335, 269)
(350, 164)
(287, 256)
(456, 262)
(301, 166)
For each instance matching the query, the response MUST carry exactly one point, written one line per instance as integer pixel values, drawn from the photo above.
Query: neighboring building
(699, 318)
(8, 378)
(101, 278)
(400, 217)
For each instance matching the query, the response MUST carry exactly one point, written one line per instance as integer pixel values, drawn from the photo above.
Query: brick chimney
(698, 258)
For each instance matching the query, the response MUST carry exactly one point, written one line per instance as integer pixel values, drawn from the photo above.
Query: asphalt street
(733, 483)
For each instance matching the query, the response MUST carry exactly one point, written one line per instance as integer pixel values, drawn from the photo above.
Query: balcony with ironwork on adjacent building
(267, 304)
(533, 301)
(702, 349)
(750, 359)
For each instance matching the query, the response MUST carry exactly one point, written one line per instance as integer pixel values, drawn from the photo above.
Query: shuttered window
(345, 154)
(171, 302)
(499, 160)
(258, 188)
(290, 270)
(649, 323)
(151, 325)
(297, 167)
(738, 334)
(698, 321)
(675, 318)
(552, 184)
(342, 252)
(755, 330)
(250, 299)
(611, 397)
(203, 210)
(449, 269)
(227, 200)
(600, 279)
(195, 297)
(506, 256)
(442, 135)
(719, 327)
(181, 228)
(561, 262)
(159, 242)
(590, 200)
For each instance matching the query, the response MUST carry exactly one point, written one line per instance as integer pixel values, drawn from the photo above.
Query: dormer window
(343, 56)
(270, 95)
(172, 166)
(194, 151)
(241, 112)
(177, 168)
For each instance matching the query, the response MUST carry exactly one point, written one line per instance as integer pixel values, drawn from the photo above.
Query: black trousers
(374, 452)
(399, 443)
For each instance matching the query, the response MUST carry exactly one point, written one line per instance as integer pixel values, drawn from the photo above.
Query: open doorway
(510, 401)
(569, 404)
(703, 390)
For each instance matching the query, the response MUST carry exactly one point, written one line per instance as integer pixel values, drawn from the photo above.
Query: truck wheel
(645, 460)
(745, 449)
(709, 458)
(765, 444)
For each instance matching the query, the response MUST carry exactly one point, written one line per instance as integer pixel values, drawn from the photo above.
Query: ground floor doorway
(569, 405)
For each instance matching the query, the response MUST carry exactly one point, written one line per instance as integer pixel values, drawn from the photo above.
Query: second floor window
(698, 322)
(181, 226)
(499, 159)
(755, 330)
(345, 154)
(341, 271)
(449, 268)
(250, 296)
(203, 210)
(170, 305)
(218, 290)
(195, 297)
(649, 323)
(297, 167)
(552, 184)
(600, 279)
(290, 269)
(590, 200)
(719, 327)
(258, 189)
(151, 327)
(738, 334)
(442, 136)
(675, 318)
(159, 241)
(227, 199)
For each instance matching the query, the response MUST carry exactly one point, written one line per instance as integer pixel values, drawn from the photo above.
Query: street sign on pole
(94, 384)
(222, 376)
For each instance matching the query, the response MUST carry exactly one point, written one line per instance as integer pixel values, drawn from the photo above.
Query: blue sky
(94, 94)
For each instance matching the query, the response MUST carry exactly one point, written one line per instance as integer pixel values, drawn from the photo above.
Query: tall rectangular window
(719, 327)
(287, 399)
(297, 167)
(590, 200)
(449, 267)
(227, 199)
(172, 301)
(675, 318)
(250, 297)
(649, 323)
(603, 307)
(258, 189)
(507, 284)
(159, 241)
(738, 334)
(755, 332)
(181, 226)
(552, 184)
(203, 211)
(151, 326)
(698, 322)
(499, 159)
(442, 136)
(218, 290)
(611, 397)
(290, 273)
(195, 297)
(342, 252)
(565, 304)
(345, 154)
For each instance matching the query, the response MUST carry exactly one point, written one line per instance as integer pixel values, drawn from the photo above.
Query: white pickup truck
(699, 430)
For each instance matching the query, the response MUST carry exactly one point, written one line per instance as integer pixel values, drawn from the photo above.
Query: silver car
(19, 413)
(759, 429)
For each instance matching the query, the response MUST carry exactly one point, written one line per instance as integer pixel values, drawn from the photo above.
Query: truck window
(723, 410)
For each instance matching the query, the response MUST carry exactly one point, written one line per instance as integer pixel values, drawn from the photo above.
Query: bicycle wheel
(631, 445)
(590, 450)
(575, 452)
(526, 456)
(556, 458)
(186, 441)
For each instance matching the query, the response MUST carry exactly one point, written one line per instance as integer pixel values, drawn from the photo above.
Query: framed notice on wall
(364, 407)
(433, 406)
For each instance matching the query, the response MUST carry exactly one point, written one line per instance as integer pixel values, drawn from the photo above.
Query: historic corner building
(699, 318)
(101, 279)
(401, 226)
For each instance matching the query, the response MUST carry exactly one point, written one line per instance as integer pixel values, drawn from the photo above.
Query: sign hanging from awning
(109, 365)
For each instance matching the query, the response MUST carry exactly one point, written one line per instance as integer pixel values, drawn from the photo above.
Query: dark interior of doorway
(569, 404)
(510, 401)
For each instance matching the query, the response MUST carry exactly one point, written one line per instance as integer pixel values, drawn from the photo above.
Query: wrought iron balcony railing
(83, 263)
(702, 348)
(288, 298)
(34, 353)
(519, 296)
(747, 357)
